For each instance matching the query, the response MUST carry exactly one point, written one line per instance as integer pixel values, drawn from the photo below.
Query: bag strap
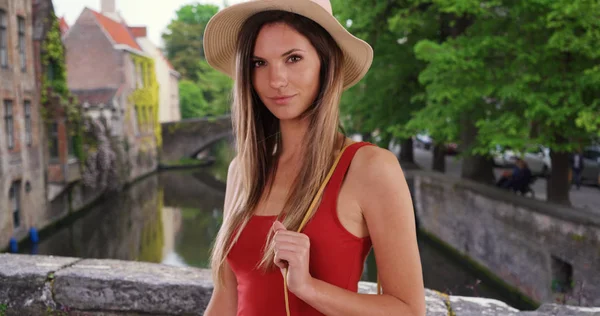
(308, 215)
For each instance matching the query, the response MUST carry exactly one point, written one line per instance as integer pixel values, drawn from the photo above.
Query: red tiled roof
(119, 32)
(64, 27)
(138, 31)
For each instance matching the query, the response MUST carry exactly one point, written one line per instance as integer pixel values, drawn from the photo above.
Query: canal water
(172, 217)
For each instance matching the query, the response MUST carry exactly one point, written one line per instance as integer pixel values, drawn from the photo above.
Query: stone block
(124, 286)
(25, 281)
(475, 306)
(566, 310)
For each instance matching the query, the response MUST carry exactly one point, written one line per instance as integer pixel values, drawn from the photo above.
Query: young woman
(291, 61)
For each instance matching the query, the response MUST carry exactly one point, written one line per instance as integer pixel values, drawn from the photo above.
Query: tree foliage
(184, 36)
(384, 98)
(203, 91)
(515, 73)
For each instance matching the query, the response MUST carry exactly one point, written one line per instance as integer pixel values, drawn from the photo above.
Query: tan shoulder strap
(308, 215)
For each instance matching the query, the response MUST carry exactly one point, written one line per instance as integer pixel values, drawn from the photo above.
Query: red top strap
(335, 183)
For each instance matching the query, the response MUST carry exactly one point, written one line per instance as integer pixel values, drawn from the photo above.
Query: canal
(172, 217)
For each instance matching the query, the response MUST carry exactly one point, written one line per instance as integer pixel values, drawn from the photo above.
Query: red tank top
(336, 256)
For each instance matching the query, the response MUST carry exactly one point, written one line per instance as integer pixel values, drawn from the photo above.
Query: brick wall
(91, 60)
(23, 163)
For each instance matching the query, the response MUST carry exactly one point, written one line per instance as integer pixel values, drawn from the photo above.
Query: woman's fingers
(284, 258)
(291, 237)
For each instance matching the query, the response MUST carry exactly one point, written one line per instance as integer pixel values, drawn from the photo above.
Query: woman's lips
(283, 100)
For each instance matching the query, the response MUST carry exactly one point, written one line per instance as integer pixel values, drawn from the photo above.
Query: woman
(290, 70)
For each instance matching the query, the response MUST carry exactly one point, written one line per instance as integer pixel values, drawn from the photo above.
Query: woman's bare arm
(385, 201)
(224, 298)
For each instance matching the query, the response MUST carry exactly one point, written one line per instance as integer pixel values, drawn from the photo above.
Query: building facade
(60, 130)
(103, 57)
(22, 185)
(166, 75)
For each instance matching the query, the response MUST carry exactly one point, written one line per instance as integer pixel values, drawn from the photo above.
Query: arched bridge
(187, 138)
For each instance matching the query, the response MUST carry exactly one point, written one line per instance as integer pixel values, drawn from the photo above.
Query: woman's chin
(286, 114)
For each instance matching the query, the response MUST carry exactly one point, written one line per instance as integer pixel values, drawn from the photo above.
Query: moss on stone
(577, 237)
(483, 272)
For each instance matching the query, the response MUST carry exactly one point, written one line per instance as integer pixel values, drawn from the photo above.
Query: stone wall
(37, 285)
(547, 252)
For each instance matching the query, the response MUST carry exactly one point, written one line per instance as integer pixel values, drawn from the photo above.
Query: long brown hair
(257, 138)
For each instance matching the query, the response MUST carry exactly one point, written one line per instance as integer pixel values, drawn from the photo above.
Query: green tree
(524, 73)
(383, 100)
(210, 96)
(191, 100)
(216, 88)
(184, 36)
(203, 90)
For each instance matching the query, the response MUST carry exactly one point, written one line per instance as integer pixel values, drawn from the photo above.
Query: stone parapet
(37, 285)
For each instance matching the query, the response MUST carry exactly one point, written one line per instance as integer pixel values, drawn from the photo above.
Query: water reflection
(173, 217)
(125, 226)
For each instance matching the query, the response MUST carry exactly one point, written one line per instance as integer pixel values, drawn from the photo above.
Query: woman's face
(285, 71)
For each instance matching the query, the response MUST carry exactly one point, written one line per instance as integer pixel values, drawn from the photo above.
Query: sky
(154, 14)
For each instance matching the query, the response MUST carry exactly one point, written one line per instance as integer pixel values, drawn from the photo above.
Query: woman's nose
(278, 76)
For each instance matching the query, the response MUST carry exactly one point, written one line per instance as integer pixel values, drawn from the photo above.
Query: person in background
(577, 167)
(517, 179)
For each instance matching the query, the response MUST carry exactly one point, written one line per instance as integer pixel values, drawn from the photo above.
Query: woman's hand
(292, 251)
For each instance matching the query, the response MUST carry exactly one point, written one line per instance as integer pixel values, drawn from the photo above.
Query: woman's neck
(292, 138)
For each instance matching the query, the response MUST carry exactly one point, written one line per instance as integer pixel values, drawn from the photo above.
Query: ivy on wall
(55, 86)
(145, 98)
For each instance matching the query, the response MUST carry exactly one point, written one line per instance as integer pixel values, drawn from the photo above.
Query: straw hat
(221, 34)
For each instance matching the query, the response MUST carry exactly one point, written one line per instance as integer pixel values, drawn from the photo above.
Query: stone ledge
(31, 285)
(567, 213)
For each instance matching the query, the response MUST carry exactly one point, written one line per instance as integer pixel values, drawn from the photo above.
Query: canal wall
(547, 252)
(44, 285)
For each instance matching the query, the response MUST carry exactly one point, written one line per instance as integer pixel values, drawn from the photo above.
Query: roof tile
(118, 31)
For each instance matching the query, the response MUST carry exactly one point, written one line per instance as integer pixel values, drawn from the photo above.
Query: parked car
(423, 141)
(591, 165)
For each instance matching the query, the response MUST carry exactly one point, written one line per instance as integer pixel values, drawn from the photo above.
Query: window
(70, 144)
(8, 119)
(139, 77)
(150, 119)
(22, 43)
(15, 202)
(50, 71)
(27, 106)
(143, 119)
(137, 119)
(148, 122)
(3, 40)
(53, 140)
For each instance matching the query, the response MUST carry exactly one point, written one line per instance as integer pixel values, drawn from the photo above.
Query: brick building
(110, 73)
(63, 167)
(22, 189)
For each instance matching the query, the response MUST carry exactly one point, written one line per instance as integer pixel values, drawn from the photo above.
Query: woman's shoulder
(373, 167)
(372, 158)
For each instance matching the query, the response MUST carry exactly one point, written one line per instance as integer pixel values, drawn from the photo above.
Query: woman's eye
(295, 58)
(257, 63)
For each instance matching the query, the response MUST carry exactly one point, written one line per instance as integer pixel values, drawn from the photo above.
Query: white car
(591, 165)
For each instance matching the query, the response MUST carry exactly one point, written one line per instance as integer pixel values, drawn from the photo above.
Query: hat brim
(220, 35)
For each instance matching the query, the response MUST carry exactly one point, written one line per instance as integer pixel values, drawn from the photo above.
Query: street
(588, 197)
